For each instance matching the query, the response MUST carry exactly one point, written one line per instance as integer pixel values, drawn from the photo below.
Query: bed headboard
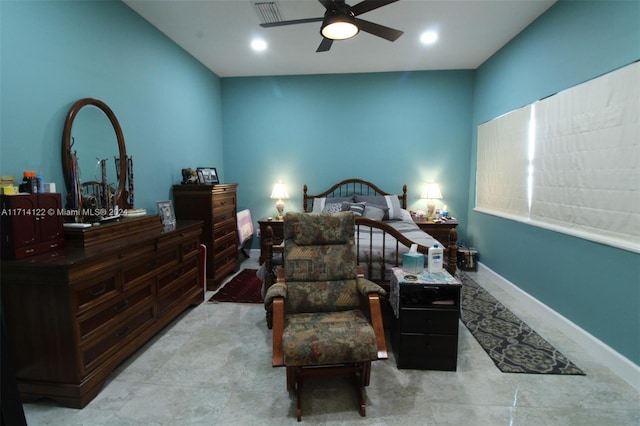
(350, 187)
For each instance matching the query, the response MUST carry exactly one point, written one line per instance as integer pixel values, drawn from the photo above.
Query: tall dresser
(216, 206)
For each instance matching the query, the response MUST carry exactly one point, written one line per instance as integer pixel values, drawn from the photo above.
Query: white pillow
(318, 204)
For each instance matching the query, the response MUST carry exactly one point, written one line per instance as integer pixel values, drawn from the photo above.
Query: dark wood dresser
(216, 206)
(73, 315)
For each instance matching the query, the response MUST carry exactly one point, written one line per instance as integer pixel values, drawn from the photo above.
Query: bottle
(29, 183)
(435, 259)
(40, 183)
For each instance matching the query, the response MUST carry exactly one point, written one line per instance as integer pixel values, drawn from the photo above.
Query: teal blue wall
(388, 128)
(54, 53)
(392, 128)
(593, 285)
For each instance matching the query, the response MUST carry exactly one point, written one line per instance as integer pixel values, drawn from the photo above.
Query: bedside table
(278, 233)
(438, 230)
(425, 328)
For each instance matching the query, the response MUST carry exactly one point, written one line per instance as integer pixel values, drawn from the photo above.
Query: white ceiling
(218, 33)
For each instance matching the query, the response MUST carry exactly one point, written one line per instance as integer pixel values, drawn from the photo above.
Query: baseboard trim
(619, 364)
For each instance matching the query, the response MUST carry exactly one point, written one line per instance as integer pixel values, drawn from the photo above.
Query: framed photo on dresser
(208, 176)
(166, 213)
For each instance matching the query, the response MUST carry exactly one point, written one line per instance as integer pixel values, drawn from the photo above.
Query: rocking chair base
(359, 372)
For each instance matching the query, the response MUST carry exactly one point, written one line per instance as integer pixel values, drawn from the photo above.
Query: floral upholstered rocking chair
(326, 316)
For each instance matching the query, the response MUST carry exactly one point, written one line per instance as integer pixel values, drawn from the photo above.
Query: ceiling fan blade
(292, 22)
(325, 45)
(369, 5)
(328, 4)
(378, 30)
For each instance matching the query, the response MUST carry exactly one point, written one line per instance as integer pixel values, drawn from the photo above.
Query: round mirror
(90, 160)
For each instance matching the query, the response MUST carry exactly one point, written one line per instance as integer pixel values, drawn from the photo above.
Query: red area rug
(243, 288)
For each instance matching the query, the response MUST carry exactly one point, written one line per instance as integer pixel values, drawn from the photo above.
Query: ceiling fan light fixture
(338, 26)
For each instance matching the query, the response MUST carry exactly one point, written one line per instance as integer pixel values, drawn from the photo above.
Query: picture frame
(166, 213)
(208, 176)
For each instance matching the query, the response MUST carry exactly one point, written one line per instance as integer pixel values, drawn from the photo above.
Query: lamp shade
(279, 191)
(432, 192)
(338, 26)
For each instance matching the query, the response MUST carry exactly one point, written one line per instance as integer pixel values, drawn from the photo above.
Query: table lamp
(279, 193)
(431, 194)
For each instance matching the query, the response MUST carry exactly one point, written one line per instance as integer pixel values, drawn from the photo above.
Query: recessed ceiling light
(258, 45)
(429, 37)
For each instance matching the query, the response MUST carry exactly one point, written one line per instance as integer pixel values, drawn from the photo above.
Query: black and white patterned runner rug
(512, 345)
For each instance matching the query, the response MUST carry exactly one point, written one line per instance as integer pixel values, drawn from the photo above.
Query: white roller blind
(587, 163)
(583, 161)
(502, 164)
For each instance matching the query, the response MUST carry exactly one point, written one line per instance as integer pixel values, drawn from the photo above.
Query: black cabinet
(425, 331)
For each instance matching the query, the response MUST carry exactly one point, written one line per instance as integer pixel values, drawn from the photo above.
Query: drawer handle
(92, 293)
(153, 264)
(122, 332)
(29, 250)
(179, 273)
(121, 307)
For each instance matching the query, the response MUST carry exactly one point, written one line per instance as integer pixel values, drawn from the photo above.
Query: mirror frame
(121, 199)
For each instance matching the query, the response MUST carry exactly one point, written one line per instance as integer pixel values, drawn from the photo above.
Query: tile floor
(212, 366)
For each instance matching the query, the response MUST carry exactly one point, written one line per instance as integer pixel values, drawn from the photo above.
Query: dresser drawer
(226, 266)
(185, 268)
(189, 248)
(95, 291)
(222, 201)
(177, 238)
(222, 217)
(224, 244)
(430, 296)
(425, 351)
(138, 269)
(428, 321)
(177, 291)
(92, 325)
(119, 335)
(116, 258)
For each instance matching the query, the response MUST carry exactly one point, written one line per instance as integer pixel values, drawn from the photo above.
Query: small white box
(50, 187)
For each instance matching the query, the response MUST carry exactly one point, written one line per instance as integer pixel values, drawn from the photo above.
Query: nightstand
(278, 233)
(426, 309)
(438, 230)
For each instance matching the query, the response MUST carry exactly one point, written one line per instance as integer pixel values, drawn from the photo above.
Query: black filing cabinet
(425, 332)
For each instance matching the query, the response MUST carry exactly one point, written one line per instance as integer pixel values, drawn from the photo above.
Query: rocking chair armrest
(366, 287)
(277, 359)
(378, 326)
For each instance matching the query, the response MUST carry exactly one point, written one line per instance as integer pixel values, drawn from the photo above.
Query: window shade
(502, 158)
(583, 162)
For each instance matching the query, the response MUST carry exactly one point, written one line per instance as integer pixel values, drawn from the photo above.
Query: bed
(384, 232)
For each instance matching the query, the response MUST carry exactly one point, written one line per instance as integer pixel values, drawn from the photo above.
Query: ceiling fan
(339, 22)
